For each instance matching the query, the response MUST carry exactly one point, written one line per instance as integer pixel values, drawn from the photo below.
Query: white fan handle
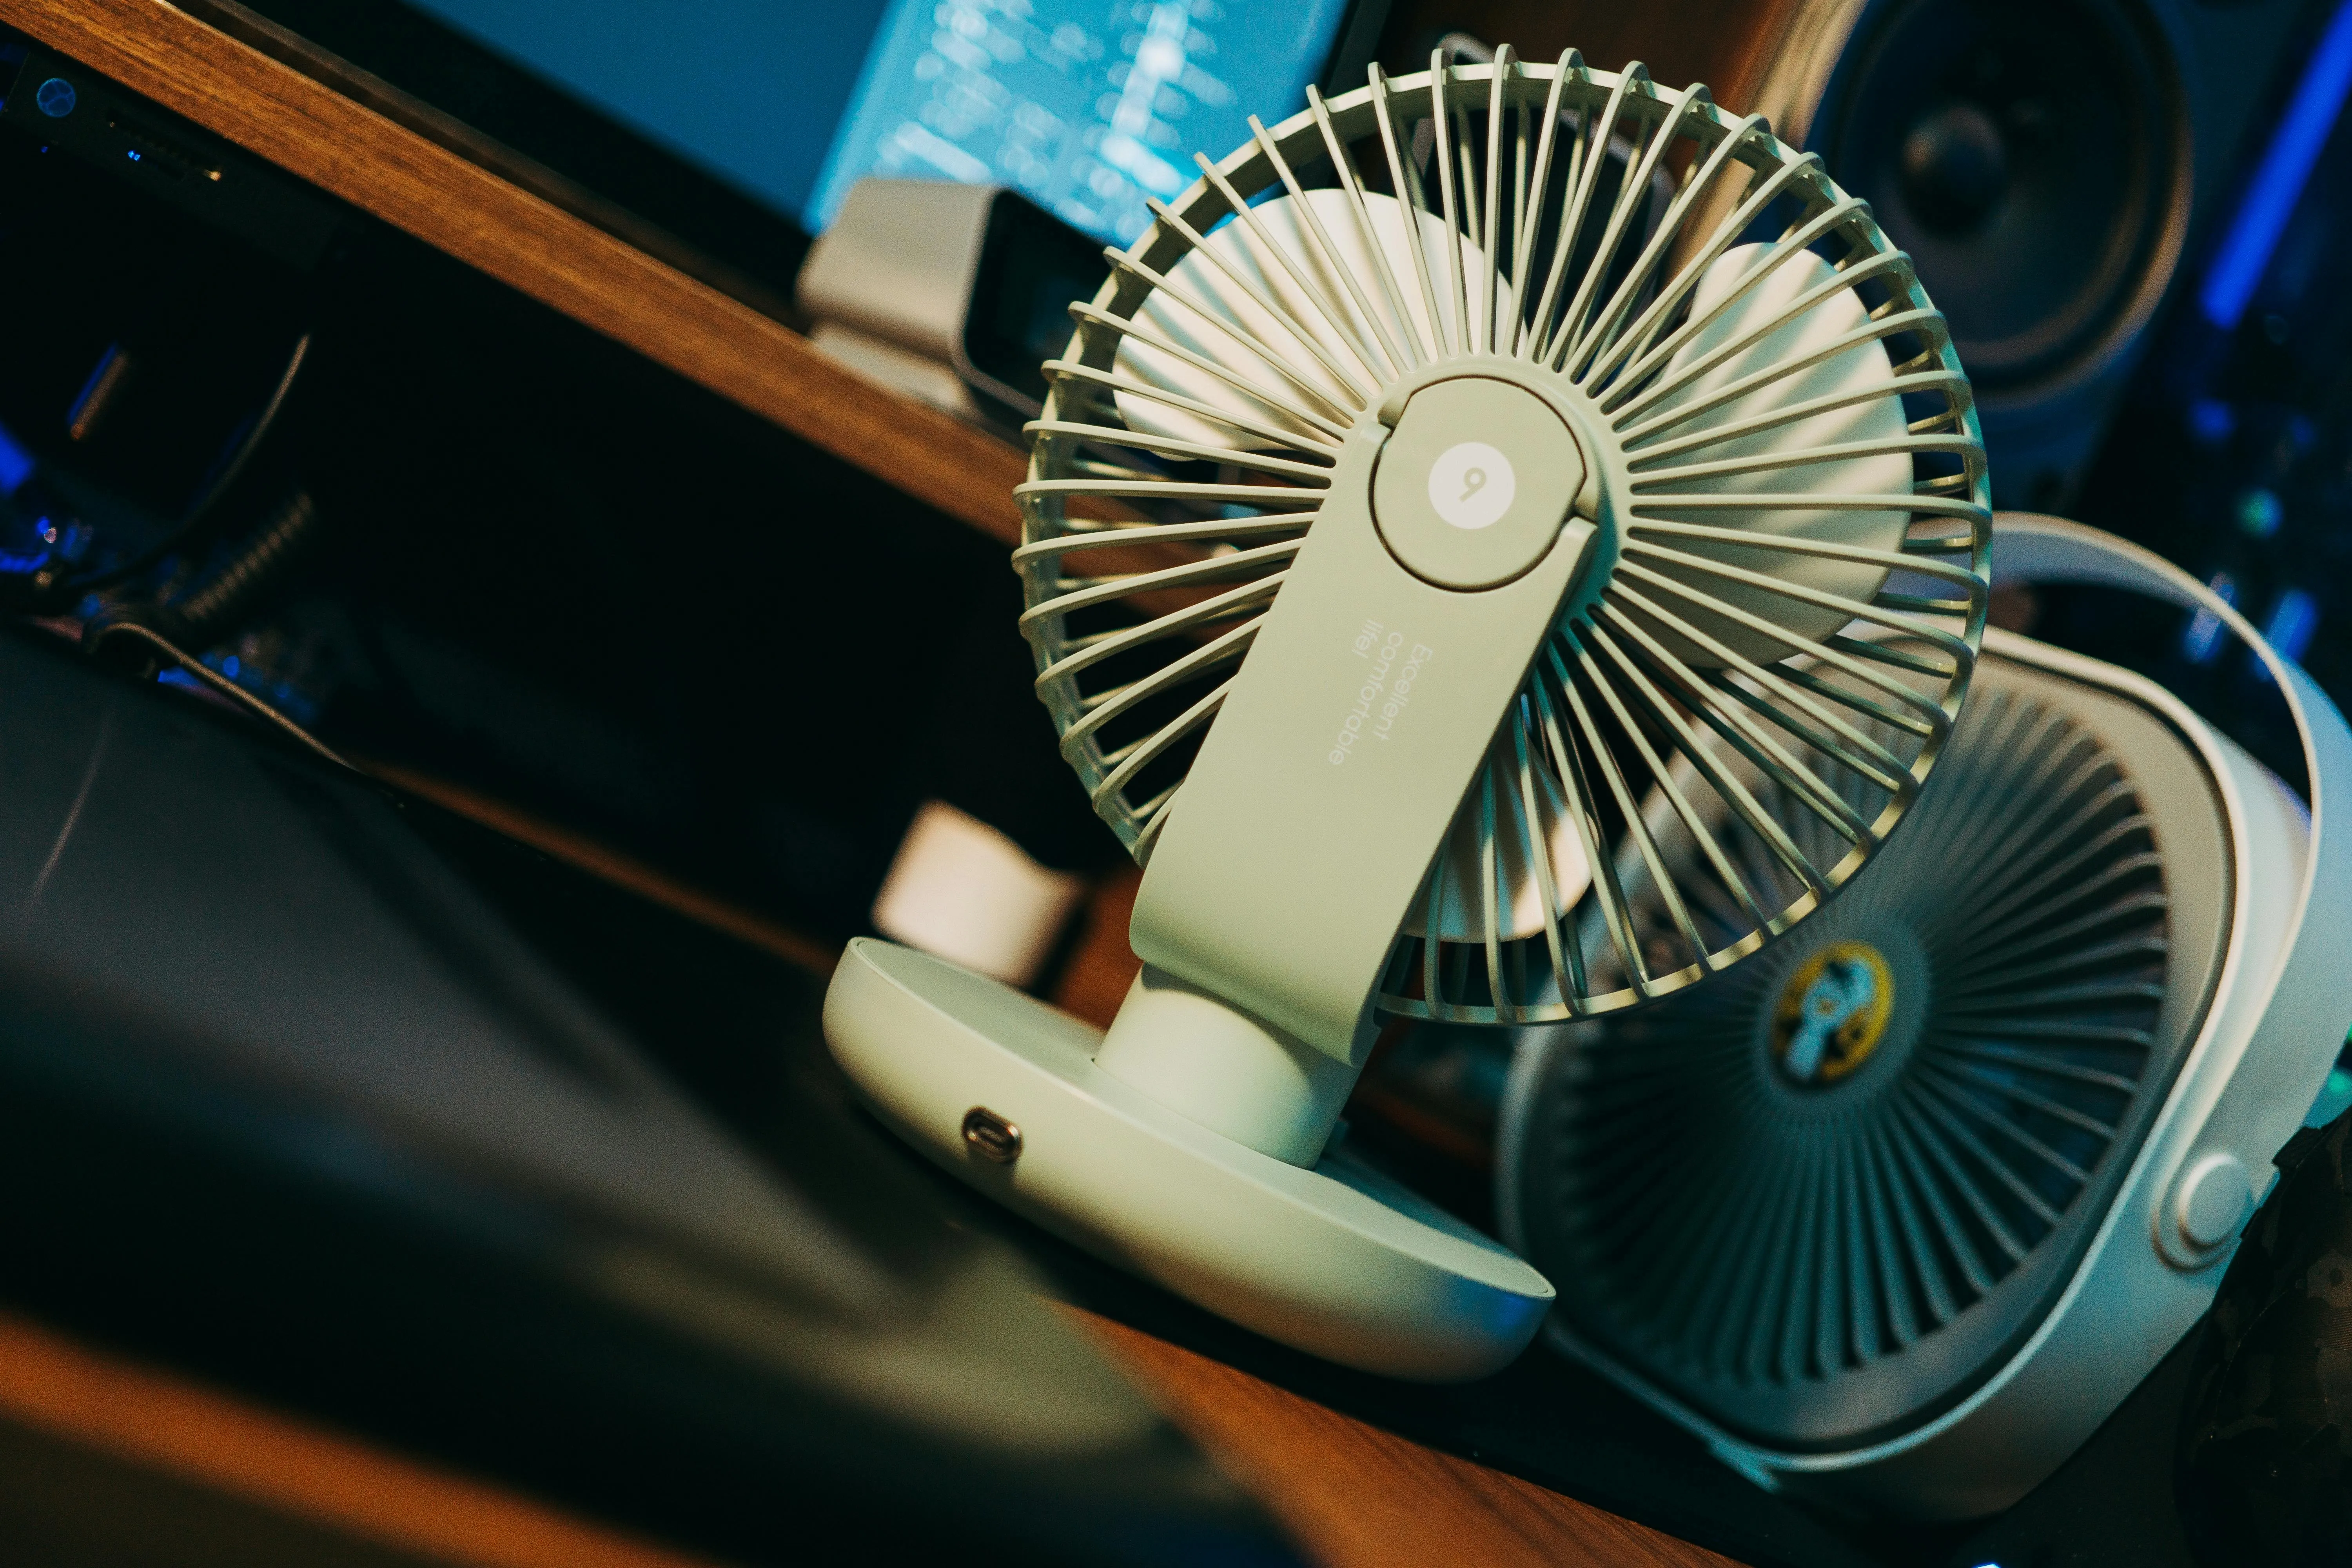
(2302, 1003)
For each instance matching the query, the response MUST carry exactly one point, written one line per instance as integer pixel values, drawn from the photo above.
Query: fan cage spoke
(1773, 761)
(1393, 357)
(1189, 451)
(1756, 690)
(1879, 330)
(1094, 322)
(1235, 330)
(1637, 371)
(1062, 375)
(1626, 325)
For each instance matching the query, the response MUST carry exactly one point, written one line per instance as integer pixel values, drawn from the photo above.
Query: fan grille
(1752, 356)
(1812, 1261)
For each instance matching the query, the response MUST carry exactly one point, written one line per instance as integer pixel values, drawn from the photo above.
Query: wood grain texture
(1726, 44)
(153, 1419)
(1102, 966)
(1357, 1497)
(430, 192)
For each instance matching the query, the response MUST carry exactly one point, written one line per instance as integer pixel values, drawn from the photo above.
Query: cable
(224, 595)
(227, 593)
(220, 684)
(217, 599)
(200, 513)
(46, 583)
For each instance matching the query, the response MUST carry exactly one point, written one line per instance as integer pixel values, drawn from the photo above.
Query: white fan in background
(1900, 1211)
(1379, 572)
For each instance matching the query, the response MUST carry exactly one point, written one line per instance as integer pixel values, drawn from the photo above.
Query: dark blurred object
(173, 276)
(80, 113)
(2265, 1454)
(305, 1113)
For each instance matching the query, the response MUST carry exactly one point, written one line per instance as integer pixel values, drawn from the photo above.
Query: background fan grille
(1792, 456)
(1780, 1253)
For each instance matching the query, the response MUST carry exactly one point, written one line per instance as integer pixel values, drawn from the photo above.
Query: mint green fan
(1457, 468)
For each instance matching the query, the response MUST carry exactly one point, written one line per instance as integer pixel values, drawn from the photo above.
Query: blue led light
(2245, 251)
(132, 155)
(15, 464)
(55, 97)
(2293, 620)
(2211, 421)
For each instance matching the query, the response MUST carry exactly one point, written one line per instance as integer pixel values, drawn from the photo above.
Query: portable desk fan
(1451, 470)
(1900, 1212)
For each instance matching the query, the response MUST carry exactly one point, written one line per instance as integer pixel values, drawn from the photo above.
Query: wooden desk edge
(166, 1423)
(1357, 1497)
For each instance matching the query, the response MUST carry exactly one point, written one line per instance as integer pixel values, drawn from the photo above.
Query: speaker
(2050, 164)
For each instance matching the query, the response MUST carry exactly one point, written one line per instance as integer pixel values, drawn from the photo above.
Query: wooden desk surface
(280, 1467)
(1355, 1497)
(1351, 1495)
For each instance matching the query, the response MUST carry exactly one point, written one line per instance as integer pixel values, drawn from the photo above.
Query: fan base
(1003, 1090)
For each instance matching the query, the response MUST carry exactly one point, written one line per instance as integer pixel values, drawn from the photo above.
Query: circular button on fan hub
(1832, 1013)
(1474, 484)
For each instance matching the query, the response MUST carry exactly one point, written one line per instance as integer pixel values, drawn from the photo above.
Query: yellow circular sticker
(1832, 1013)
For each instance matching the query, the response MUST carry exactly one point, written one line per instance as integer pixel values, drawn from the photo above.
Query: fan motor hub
(1474, 481)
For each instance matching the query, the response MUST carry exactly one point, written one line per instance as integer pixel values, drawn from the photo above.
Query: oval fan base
(1336, 1260)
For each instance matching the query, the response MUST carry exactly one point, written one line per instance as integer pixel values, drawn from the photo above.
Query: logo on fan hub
(1832, 1013)
(1472, 485)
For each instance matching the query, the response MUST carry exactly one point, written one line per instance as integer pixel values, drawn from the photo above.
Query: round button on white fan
(2211, 1200)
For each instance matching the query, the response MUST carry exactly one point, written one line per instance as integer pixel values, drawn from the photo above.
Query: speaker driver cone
(2032, 157)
